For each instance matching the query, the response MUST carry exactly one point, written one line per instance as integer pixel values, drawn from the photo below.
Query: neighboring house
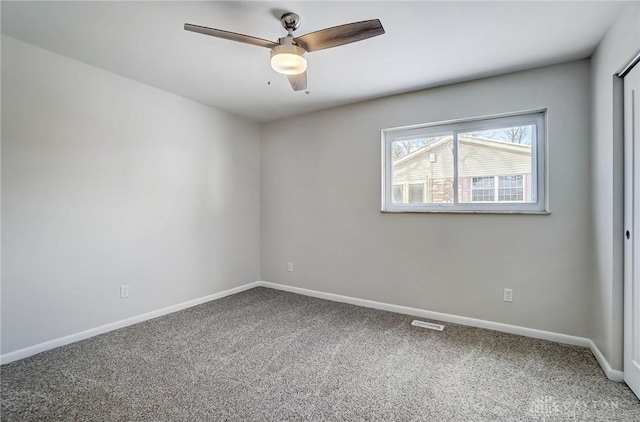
(490, 171)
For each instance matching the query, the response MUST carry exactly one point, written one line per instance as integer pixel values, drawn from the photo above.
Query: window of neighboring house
(505, 188)
(511, 188)
(409, 192)
(483, 189)
(491, 164)
(416, 192)
(398, 193)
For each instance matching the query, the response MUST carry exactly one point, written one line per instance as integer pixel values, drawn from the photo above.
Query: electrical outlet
(124, 291)
(508, 295)
(290, 266)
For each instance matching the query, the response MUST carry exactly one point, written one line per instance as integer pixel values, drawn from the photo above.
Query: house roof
(492, 143)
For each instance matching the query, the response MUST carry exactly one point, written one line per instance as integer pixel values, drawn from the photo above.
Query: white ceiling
(426, 44)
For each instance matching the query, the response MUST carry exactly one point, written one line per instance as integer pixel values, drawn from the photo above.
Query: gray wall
(620, 42)
(106, 181)
(321, 199)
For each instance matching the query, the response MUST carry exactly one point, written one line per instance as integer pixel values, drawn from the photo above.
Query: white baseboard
(612, 374)
(72, 338)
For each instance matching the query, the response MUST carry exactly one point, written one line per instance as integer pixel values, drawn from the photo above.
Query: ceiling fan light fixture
(288, 59)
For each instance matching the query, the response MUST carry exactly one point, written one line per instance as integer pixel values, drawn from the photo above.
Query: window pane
(425, 165)
(510, 188)
(497, 164)
(482, 189)
(398, 194)
(416, 192)
(499, 156)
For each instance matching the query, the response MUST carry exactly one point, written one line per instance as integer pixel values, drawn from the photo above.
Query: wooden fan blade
(219, 33)
(298, 82)
(340, 35)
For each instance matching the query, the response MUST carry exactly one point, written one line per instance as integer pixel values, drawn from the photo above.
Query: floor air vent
(428, 325)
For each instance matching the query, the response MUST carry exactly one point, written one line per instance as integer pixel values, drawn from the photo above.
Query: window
(511, 188)
(416, 192)
(409, 192)
(398, 193)
(493, 164)
(483, 189)
(505, 188)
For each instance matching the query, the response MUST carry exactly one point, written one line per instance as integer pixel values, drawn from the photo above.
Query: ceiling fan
(287, 54)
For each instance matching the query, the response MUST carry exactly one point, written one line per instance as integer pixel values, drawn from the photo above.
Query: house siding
(433, 166)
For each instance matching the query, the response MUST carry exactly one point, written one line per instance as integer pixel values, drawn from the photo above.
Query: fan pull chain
(269, 70)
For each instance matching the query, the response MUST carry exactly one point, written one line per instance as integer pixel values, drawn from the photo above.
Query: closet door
(632, 229)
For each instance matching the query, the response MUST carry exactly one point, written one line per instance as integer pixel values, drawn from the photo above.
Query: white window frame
(539, 203)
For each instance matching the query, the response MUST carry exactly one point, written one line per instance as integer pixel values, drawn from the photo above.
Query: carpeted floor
(266, 355)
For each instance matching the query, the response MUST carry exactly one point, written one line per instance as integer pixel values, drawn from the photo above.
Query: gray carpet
(266, 355)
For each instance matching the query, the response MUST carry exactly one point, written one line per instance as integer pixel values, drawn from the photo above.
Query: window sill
(466, 212)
